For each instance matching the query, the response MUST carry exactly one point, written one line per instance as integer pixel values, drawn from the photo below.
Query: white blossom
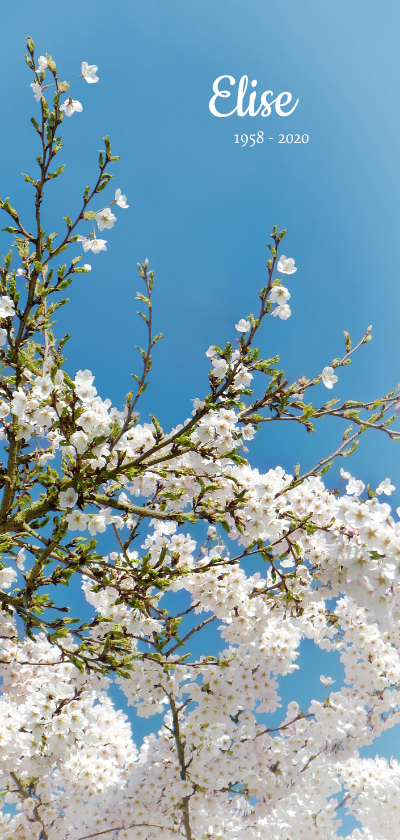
(97, 524)
(326, 680)
(121, 199)
(84, 377)
(20, 559)
(242, 378)
(79, 440)
(385, 487)
(354, 487)
(68, 498)
(7, 309)
(344, 474)
(86, 242)
(89, 72)
(98, 245)
(70, 106)
(329, 377)
(95, 245)
(243, 326)
(105, 219)
(77, 521)
(37, 91)
(220, 367)
(284, 311)
(42, 63)
(8, 576)
(197, 404)
(286, 265)
(248, 432)
(279, 294)
(211, 352)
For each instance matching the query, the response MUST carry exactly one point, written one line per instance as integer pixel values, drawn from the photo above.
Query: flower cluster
(70, 106)
(62, 731)
(105, 219)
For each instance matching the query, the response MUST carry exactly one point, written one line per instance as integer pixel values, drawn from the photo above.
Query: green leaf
(144, 299)
(106, 180)
(352, 449)
(157, 426)
(66, 282)
(78, 664)
(10, 210)
(51, 63)
(69, 381)
(56, 173)
(35, 124)
(49, 241)
(308, 412)
(325, 468)
(347, 340)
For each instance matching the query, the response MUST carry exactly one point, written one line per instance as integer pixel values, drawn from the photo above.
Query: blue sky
(201, 206)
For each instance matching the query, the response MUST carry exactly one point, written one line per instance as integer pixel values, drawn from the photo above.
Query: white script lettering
(280, 101)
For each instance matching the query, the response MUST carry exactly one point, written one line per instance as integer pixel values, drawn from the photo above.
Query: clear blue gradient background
(201, 207)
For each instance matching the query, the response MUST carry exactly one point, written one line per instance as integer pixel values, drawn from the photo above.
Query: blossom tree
(187, 512)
